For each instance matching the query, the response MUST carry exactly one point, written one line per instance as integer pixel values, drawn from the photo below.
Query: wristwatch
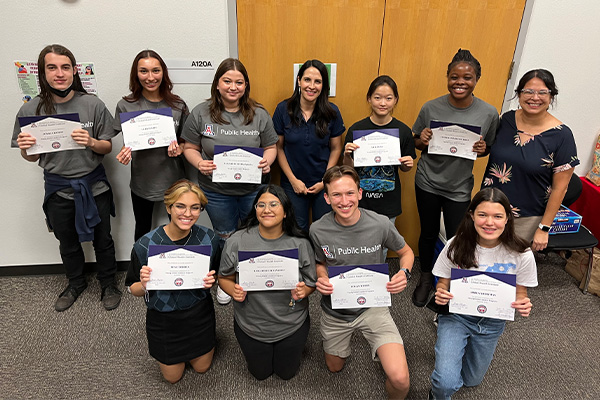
(407, 273)
(544, 228)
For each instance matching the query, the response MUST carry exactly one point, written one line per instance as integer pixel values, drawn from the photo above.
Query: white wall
(563, 37)
(109, 33)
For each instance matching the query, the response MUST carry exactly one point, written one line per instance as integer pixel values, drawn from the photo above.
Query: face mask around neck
(61, 93)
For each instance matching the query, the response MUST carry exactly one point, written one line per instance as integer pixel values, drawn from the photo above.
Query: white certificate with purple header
(237, 164)
(51, 132)
(273, 270)
(359, 286)
(377, 147)
(148, 129)
(450, 139)
(178, 267)
(483, 294)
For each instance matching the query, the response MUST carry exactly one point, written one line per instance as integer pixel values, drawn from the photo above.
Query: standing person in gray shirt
(152, 170)
(270, 326)
(445, 182)
(78, 198)
(350, 235)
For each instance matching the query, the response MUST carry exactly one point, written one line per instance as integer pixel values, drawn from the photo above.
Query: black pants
(142, 211)
(61, 214)
(430, 207)
(282, 357)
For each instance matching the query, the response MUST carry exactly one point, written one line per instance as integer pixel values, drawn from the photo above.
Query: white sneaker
(222, 297)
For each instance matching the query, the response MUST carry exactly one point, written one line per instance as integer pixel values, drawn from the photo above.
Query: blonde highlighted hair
(182, 186)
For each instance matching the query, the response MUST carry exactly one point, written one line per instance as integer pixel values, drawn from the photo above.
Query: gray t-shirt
(152, 170)
(200, 130)
(267, 315)
(452, 177)
(95, 118)
(358, 244)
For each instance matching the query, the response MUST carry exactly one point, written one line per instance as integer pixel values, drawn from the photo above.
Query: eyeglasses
(181, 209)
(531, 92)
(272, 205)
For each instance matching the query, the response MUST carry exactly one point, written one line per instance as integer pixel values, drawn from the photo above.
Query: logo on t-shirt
(208, 130)
(325, 249)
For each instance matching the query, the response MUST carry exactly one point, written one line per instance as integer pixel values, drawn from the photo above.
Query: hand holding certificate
(483, 294)
(178, 267)
(51, 132)
(148, 129)
(452, 139)
(237, 164)
(360, 286)
(377, 147)
(275, 270)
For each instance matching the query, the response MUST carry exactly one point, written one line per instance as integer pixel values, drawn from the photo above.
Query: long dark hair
(45, 95)
(462, 249)
(165, 88)
(323, 113)
(247, 104)
(290, 225)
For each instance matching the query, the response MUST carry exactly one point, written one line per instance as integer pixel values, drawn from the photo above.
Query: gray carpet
(87, 352)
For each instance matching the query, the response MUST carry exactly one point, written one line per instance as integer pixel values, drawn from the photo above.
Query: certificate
(148, 129)
(450, 139)
(377, 147)
(360, 286)
(237, 164)
(51, 132)
(178, 267)
(483, 294)
(273, 270)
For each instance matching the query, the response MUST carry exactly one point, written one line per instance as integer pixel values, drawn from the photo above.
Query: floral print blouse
(524, 170)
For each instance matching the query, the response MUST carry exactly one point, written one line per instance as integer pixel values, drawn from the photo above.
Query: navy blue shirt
(524, 170)
(306, 153)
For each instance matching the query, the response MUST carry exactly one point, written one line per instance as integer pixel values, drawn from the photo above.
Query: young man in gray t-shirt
(350, 235)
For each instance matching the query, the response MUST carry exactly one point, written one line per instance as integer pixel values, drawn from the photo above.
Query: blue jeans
(302, 203)
(226, 212)
(463, 352)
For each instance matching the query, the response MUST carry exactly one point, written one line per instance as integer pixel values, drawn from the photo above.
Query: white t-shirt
(497, 259)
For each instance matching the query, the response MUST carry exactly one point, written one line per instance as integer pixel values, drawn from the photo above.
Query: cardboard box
(566, 221)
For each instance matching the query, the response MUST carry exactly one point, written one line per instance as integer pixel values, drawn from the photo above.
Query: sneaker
(111, 297)
(222, 297)
(67, 298)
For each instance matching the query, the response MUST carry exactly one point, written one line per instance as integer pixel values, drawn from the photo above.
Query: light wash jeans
(463, 352)
(227, 212)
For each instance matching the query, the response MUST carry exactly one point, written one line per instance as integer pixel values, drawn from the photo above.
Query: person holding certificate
(271, 326)
(310, 132)
(180, 324)
(445, 182)
(533, 158)
(231, 118)
(351, 236)
(486, 242)
(151, 89)
(78, 199)
(381, 184)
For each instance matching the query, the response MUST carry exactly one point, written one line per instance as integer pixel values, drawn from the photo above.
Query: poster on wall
(27, 78)
(331, 71)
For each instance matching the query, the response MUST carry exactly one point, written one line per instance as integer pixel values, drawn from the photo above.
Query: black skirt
(181, 335)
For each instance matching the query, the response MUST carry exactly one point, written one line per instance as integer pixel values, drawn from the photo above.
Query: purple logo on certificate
(178, 282)
(453, 149)
(361, 300)
(132, 120)
(237, 176)
(377, 159)
(269, 283)
(151, 141)
(251, 261)
(481, 309)
(55, 145)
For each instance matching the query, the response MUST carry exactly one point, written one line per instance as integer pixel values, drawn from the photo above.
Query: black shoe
(67, 298)
(111, 297)
(420, 296)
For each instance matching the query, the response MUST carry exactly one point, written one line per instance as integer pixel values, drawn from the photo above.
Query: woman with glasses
(271, 326)
(180, 324)
(533, 158)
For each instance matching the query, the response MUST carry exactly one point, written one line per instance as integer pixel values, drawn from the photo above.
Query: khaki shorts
(526, 227)
(376, 325)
